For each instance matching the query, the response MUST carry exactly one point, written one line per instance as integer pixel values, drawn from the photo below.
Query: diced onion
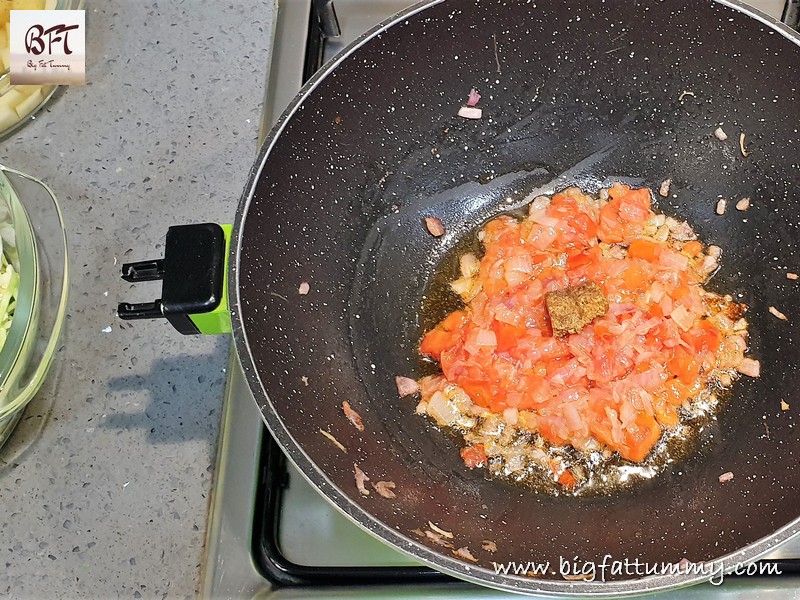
(470, 112)
(521, 264)
(682, 317)
(469, 264)
(434, 226)
(361, 479)
(750, 367)
(673, 260)
(441, 409)
(510, 416)
(406, 386)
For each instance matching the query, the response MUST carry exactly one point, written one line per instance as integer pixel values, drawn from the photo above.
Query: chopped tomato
(579, 259)
(636, 278)
(665, 414)
(693, 248)
(602, 328)
(567, 479)
(508, 336)
(550, 431)
(435, 342)
(674, 392)
(446, 333)
(641, 438)
(636, 355)
(634, 204)
(536, 391)
(481, 392)
(474, 456)
(704, 337)
(584, 229)
(599, 421)
(455, 320)
(684, 365)
(611, 228)
(680, 292)
(645, 249)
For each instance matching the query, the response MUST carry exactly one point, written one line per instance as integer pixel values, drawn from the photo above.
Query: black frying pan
(574, 93)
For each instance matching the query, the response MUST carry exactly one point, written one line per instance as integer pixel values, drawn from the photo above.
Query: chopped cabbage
(9, 284)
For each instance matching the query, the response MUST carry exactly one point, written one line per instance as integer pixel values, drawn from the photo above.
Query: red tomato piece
(474, 456)
(645, 249)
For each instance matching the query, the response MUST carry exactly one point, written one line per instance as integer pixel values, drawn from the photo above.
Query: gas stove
(270, 534)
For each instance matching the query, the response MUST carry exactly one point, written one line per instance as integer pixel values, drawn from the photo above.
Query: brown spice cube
(572, 309)
(565, 314)
(591, 301)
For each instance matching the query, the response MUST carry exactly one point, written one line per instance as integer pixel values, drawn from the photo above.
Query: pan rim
(334, 494)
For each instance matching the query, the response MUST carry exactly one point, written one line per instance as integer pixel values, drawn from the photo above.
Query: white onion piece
(539, 203)
(470, 112)
(384, 489)
(521, 264)
(682, 317)
(462, 286)
(441, 409)
(406, 386)
(672, 260)
(709, 265)
(470, 265)
(739, 342)
(352, 416)
(619, 308)
(465, 553)
(511, 416)
(361, 479)
(486, 337)
(750, 367)
(681, 231)
(776, 313)
(627, 414)
(479, 339)
(434, 226)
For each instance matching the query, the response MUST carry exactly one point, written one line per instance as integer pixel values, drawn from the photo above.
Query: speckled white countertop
(104, 485)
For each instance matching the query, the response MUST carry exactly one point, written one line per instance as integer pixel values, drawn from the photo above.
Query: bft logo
(59, 34)
(47, 47)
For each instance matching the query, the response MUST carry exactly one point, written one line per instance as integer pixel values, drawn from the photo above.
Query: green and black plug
(195, 280)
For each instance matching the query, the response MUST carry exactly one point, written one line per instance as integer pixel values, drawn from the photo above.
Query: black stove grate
(282, 572)
(279, 570)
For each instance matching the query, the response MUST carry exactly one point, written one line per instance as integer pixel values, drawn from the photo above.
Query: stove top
(270, 534)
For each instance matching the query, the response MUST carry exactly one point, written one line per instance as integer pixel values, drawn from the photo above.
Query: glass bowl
(34, 242)
(18, 102)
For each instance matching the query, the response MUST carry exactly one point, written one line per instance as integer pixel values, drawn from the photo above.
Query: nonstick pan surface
(574, 93)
